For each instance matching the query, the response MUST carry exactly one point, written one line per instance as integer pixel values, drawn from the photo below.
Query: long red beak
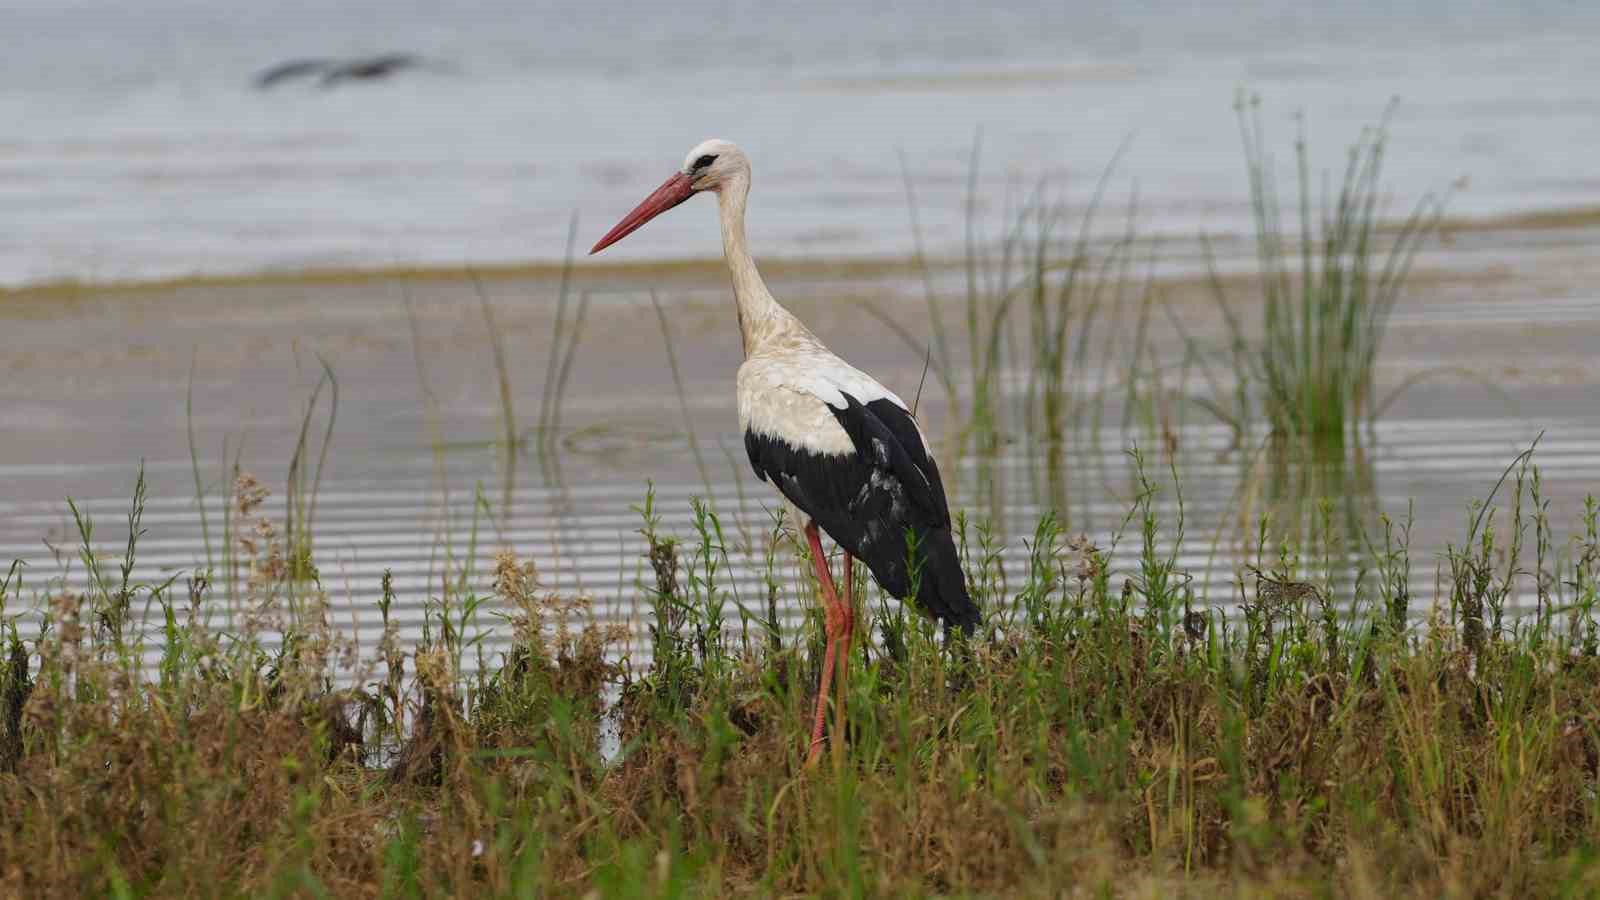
(675, 190)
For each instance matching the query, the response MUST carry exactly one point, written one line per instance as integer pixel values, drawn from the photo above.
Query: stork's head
(711, 166)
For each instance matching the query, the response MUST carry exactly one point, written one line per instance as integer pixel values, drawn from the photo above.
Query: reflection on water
(1321, 499)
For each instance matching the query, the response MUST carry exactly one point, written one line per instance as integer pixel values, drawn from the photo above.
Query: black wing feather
(872, 500)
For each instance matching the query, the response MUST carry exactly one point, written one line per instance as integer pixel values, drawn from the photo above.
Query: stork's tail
(942, 591)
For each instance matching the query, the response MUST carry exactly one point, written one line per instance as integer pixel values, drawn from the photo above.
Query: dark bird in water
(334, 72)
(842, 449)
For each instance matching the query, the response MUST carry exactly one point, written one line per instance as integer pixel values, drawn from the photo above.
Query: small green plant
(16, 682)
(1116, 727)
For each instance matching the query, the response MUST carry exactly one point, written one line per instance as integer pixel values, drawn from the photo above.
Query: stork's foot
(814, 754)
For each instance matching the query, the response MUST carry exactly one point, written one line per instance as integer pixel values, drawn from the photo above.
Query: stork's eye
(704, 161)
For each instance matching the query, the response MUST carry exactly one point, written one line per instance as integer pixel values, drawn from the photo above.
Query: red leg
(848, 607)
(814, 750)
(832, 624)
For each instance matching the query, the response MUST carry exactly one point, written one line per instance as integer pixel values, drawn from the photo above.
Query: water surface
(141, 150)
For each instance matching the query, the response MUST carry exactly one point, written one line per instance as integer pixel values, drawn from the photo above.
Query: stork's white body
(791, 393)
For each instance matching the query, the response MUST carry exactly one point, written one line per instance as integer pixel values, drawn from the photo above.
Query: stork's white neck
(762, 319)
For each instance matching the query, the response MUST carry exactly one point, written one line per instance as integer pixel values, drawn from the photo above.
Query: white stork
(839, 446)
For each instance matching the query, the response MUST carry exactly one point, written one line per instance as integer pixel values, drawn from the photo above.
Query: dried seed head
(248, 493)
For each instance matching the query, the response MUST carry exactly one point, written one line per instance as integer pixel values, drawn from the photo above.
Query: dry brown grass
(1102, 742)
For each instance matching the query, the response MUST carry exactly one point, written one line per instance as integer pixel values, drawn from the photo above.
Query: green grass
(1111, 729)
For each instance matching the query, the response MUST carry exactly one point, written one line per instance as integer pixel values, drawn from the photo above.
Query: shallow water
(140, 149)
(584, 538)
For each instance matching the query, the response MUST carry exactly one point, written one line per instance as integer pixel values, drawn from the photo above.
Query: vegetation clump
(1111, 729)
(1327, 285)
